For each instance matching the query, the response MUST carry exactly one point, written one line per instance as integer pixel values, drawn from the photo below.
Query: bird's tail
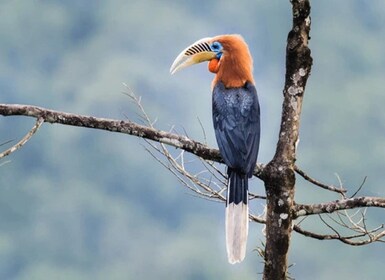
(237, 216)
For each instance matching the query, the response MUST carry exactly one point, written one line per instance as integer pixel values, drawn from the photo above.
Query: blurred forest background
(86, 204)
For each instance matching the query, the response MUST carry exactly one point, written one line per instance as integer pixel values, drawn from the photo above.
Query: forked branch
(362, 235)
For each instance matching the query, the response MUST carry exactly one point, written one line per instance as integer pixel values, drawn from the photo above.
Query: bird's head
(228, 56)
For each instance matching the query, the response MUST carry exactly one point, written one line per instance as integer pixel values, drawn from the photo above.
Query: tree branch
(343, 204)
(373, 236)
(127, 127)
(120, 126)
(24, 140)
(344, 239)
(318, 183)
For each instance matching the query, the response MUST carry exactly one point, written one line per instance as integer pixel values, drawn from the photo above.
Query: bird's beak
(198, 52)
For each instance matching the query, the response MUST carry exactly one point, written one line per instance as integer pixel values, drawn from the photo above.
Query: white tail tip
(237, 228)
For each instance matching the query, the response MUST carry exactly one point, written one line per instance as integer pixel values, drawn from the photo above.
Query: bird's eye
(216, 46)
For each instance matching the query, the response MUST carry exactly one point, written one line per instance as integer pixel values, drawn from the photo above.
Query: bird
(236, 120)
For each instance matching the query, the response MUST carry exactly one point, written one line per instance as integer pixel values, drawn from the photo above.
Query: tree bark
(279, 173)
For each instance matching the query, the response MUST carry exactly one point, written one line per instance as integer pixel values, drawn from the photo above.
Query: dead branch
(343, 204)
(359, 188)
(208, 155)
(202, 186)
(24, 140)
(318, 183)
(372, 236)
(127, 127)
(120, 126)
(199, 185)
(344, 239)
(354, 222)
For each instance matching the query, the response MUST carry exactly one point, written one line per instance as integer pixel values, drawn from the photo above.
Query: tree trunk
(279, 175)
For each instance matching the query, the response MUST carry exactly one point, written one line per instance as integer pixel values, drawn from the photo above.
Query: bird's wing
(236, 120)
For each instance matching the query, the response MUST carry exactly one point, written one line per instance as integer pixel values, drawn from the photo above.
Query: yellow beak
(198, 52)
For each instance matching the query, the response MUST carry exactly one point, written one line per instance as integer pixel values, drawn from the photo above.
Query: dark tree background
(66, 215)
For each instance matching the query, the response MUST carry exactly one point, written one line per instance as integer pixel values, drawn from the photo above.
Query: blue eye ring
(217, 47)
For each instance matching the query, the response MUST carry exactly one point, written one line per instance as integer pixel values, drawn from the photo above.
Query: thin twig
(176, 165)
(329, 226)
(203, 131)
(25, 139)
(317, 183)
(6, 142)
(256, 196)
(360, 187)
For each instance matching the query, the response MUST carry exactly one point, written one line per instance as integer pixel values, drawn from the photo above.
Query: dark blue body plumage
(236, 118)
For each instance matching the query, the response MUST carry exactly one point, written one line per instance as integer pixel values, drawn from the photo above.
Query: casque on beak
(198, 52)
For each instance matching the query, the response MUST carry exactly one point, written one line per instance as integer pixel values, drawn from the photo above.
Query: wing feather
(236, 117)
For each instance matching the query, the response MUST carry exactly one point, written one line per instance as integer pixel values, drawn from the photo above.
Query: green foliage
(83, 204)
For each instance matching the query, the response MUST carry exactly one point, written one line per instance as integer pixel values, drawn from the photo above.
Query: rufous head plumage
(228, 55)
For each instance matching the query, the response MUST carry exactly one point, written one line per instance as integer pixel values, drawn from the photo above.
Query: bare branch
(24, 140)
(350, 240)
(6, 142)
(342, 215)
(359, 188)
(343, 204)
(218, 174)
(203, 130)
(199, 184)
(329, 226)
(127, 127)
(257, 219)
(202, 186)
(256, 196)
(317, 183)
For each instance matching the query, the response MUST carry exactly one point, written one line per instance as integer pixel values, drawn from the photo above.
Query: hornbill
(236, 118)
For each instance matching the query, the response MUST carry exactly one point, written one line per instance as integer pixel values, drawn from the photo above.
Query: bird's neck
(234, 71)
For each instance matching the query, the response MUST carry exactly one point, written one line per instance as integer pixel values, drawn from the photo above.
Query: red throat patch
(213, 65)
